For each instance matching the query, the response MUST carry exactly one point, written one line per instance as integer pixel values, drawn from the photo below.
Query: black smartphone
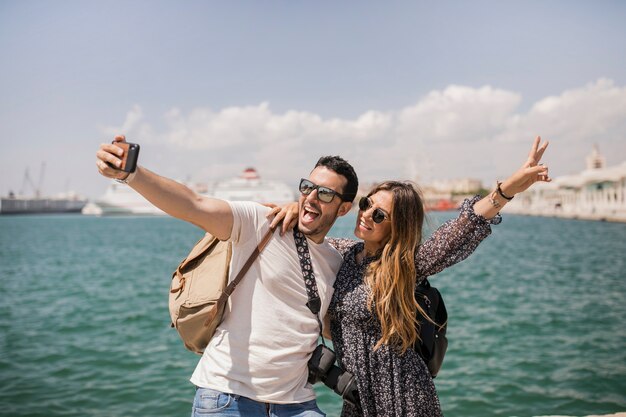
(130, 156)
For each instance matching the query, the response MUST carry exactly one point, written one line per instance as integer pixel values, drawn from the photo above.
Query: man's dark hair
(343, 168)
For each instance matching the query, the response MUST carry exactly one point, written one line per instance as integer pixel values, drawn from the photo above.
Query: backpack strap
(255, 253)
(314, 302)
(230, 288)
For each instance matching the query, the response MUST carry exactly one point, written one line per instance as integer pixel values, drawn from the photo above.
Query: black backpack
(433, 342)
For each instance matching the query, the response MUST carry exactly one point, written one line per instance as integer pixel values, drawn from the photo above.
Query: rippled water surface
(537, 319)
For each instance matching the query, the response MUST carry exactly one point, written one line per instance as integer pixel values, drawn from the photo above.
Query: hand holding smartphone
(130, 156)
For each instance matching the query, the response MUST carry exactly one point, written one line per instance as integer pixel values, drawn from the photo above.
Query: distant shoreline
(602, 217)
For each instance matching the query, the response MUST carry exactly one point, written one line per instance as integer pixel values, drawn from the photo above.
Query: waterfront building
(439, 195)
(597, 193)
(457, 186)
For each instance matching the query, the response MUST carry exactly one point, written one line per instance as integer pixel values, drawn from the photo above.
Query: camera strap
(314, 302)
(321, 364)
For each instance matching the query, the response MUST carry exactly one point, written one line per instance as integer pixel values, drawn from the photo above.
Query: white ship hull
(240, 189)
(120, 199)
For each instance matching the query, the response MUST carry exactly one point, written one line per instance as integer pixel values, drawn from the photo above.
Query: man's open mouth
(309, 214)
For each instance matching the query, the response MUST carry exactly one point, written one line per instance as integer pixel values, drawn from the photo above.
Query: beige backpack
(199, 290)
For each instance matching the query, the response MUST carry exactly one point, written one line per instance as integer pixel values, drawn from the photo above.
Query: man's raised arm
(174, 198)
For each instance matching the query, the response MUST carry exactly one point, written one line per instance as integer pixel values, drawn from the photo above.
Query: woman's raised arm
(529, 173)
(456, 239)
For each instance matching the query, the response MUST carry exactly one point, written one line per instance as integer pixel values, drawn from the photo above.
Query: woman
(373, 309)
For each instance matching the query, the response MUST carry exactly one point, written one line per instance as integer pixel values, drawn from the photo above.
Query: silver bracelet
(495, 203)
(128, 178)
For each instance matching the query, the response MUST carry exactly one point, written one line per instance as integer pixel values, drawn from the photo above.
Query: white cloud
(588, 113)
(134, 128)
(458, 131)
(206, 129)
(458, 113)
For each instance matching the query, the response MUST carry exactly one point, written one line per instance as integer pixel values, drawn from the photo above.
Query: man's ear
(344, 208)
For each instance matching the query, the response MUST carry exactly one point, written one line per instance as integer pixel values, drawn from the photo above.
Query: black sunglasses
(378, 215)
(324, 194)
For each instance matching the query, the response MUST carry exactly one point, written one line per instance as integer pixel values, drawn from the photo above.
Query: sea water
(537, 319)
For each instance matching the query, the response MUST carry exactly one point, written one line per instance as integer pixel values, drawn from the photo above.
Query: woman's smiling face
(375, 234)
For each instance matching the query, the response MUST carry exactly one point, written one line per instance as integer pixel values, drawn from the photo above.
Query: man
(256, 363)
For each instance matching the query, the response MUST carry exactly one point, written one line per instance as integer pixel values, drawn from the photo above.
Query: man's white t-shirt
(261, 348)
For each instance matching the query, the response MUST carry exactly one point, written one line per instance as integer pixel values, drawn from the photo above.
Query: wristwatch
(126, 180)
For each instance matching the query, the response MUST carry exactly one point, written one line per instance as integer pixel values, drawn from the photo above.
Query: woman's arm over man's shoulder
(343, 245)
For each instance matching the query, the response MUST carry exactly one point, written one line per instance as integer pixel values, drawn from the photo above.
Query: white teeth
(309, 215)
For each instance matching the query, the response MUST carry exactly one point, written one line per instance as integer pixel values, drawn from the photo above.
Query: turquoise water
(537, 319)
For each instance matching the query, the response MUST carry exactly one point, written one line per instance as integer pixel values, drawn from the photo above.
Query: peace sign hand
(530, 172)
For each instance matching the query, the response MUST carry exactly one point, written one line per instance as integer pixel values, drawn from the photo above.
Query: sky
(403, 90)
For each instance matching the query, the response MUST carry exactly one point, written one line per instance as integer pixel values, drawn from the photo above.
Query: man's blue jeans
(208, 402)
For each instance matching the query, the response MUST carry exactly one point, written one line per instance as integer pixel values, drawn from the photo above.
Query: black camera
(322, 368)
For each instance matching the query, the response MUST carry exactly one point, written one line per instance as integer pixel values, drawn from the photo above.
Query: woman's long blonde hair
(391, 278)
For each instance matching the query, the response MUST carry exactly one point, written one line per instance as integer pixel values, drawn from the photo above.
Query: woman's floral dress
(391, 384)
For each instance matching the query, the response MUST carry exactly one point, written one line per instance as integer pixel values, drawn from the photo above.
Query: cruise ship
(120, 199)
(597, 193)
(250, 187)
